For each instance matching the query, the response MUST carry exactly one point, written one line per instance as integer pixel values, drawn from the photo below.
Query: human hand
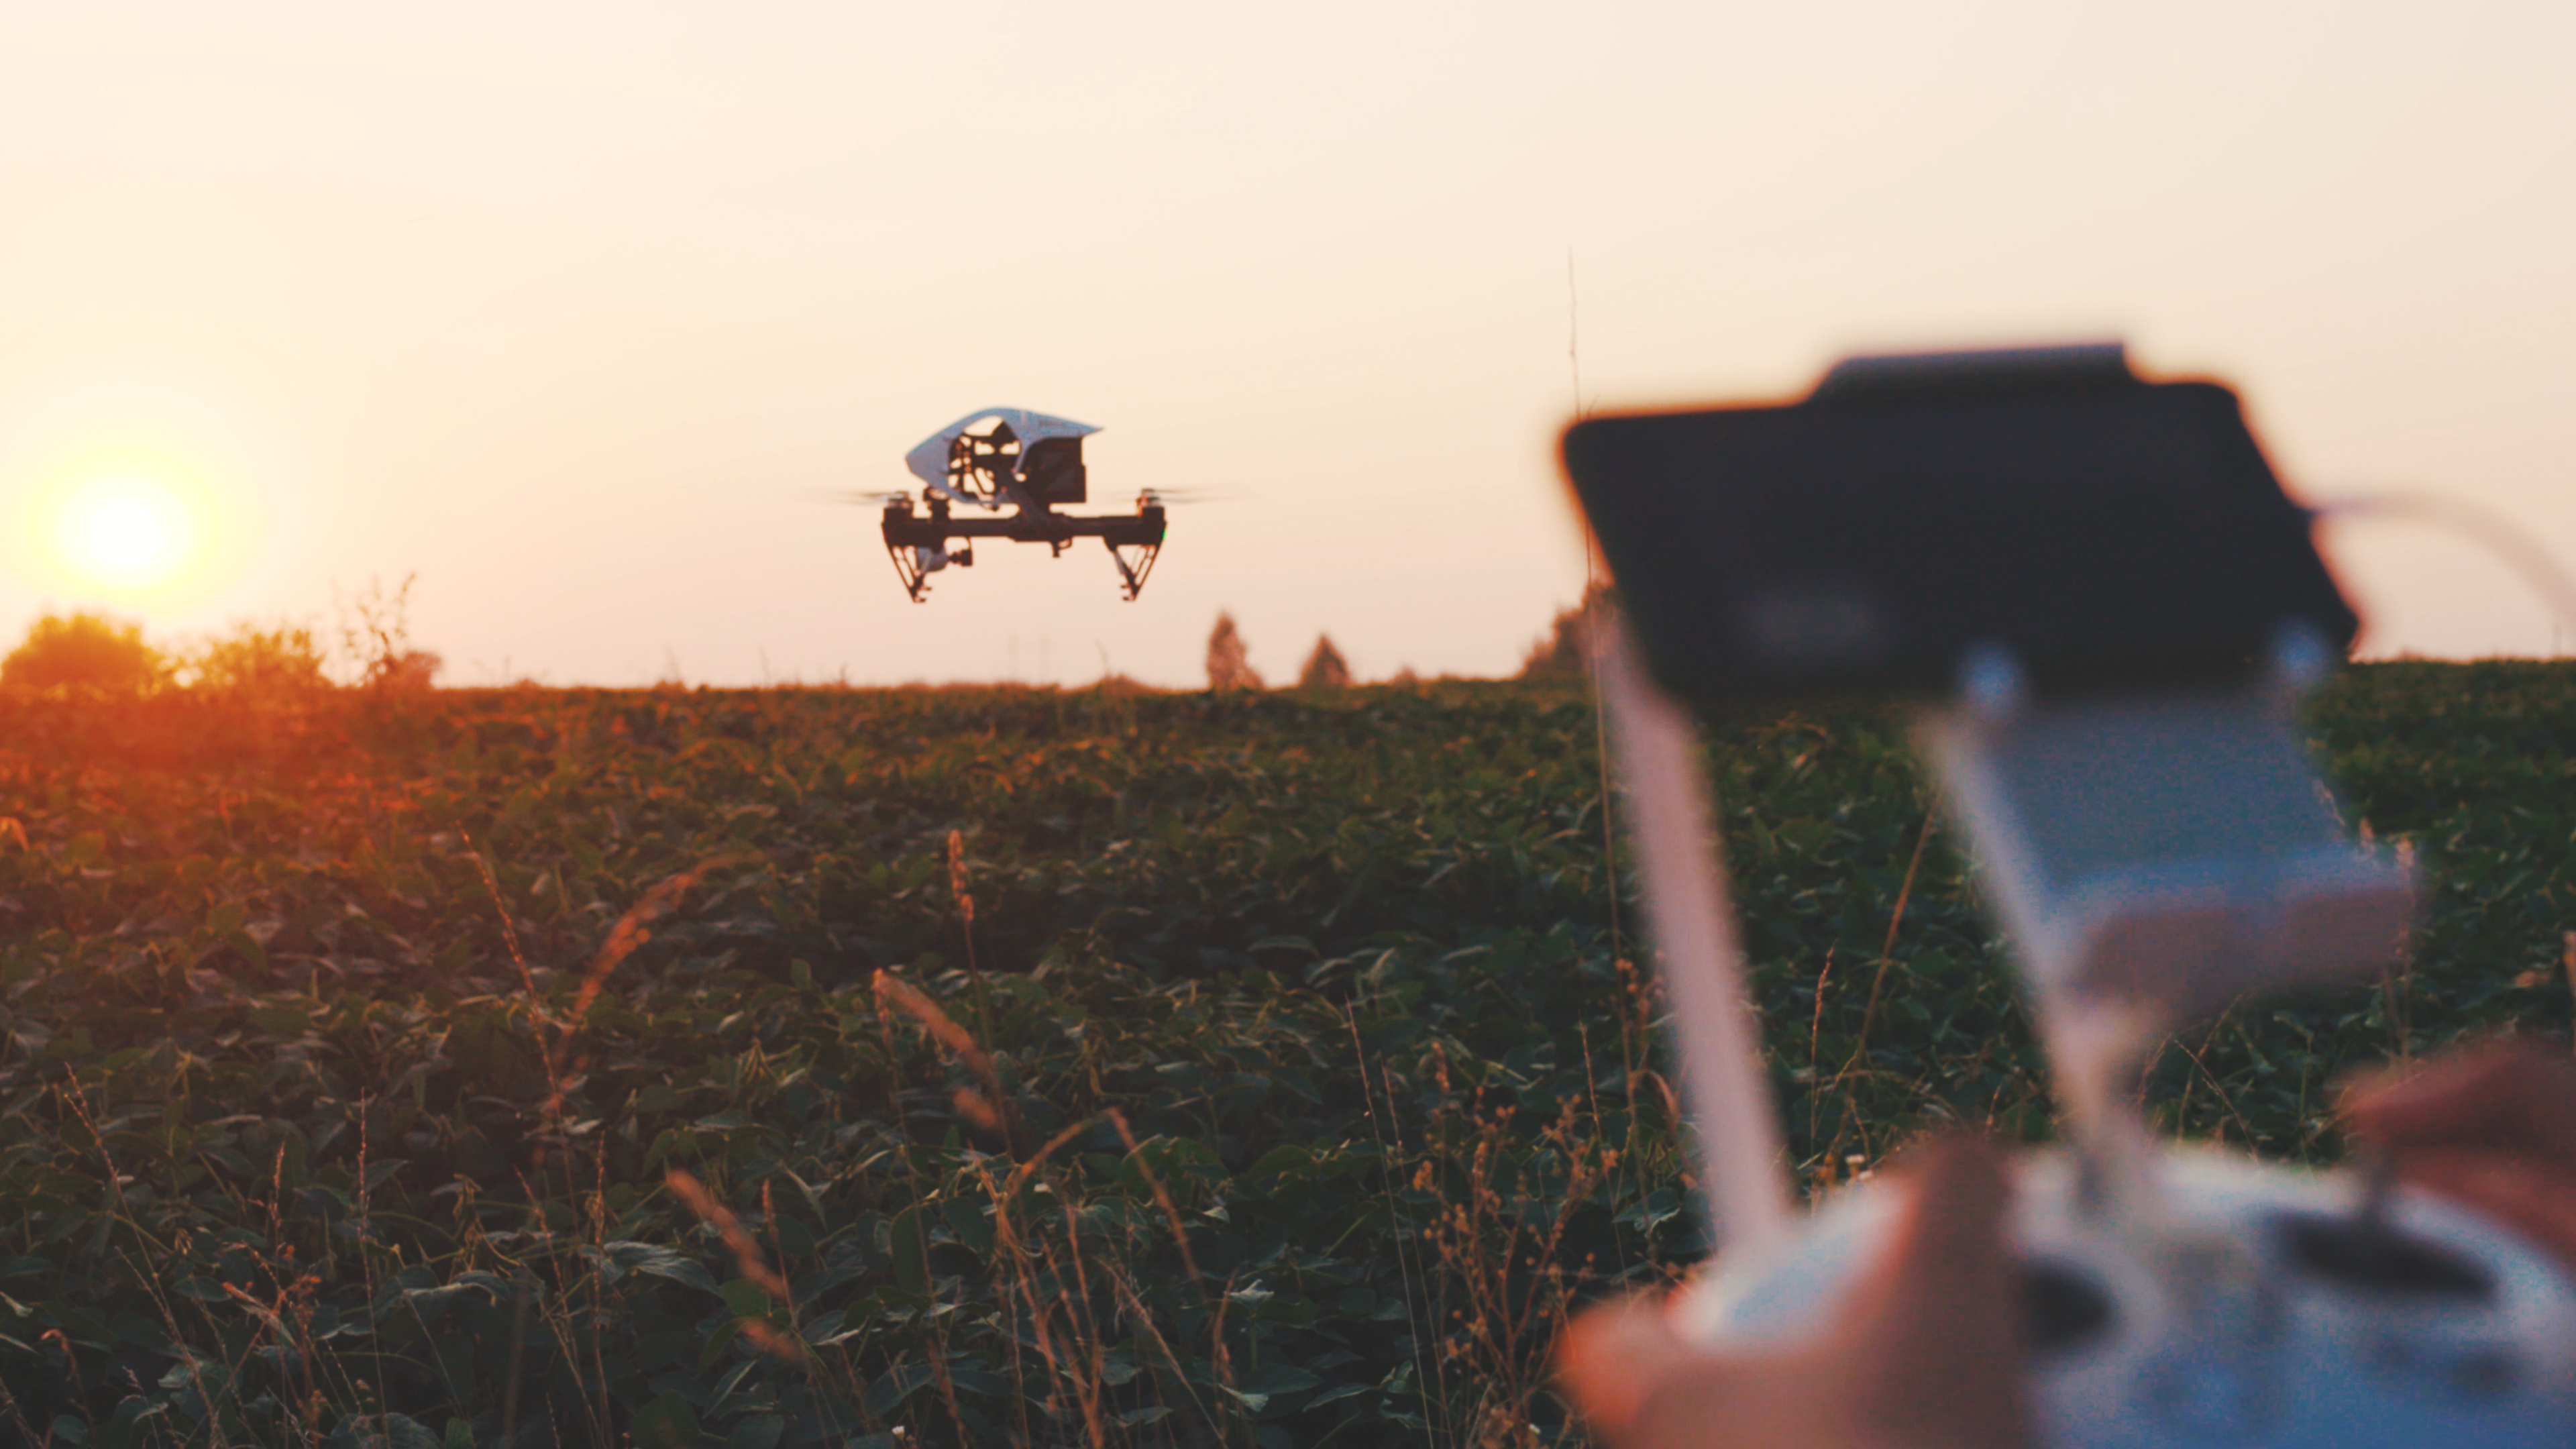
(2491, 1127)
(1925, 1353)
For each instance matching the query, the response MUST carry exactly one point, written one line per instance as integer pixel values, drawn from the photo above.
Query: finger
(1639, 1385)
(1614, 1355)
(2507, 1097)
(1940, 1326)
(1925, 1352)
(2537, 1199)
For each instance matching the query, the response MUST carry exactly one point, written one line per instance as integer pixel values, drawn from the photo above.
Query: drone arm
(1140, 532)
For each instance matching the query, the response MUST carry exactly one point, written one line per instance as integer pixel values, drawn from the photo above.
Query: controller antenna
(1742, 1179)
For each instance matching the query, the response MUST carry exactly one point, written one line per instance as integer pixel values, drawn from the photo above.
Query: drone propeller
(857, 496)
(1191, 497)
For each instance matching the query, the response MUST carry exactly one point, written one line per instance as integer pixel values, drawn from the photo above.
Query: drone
(1023, 461)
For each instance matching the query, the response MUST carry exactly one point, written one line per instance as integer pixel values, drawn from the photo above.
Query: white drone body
(1024, 466)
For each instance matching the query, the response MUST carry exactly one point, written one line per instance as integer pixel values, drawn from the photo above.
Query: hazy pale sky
(574, 310)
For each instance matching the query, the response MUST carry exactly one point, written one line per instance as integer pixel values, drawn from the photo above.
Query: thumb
(1940, 1323)
(1924, 1353)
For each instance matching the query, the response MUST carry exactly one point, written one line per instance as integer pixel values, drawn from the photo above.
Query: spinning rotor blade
(856, 496)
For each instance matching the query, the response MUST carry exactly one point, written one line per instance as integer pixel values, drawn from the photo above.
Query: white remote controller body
(2156, 843)
(2273, 1309)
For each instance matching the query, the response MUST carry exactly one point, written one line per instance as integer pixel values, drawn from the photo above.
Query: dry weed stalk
(746, 1253)
(957, 884)
(631, 932)
(1162, 1197)
(960, 1043)
(509, 931)
(772, 1342)
(965, 898)
(1504, 1261)
(836, 1376)
(989, 1110)
(1015, 1272)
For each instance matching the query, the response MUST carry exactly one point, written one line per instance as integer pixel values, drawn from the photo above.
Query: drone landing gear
(923, 545)
(914, 565)
(1131, 573)
(915, 580)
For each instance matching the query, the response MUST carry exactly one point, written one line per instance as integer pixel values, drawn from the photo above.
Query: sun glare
(127, 532)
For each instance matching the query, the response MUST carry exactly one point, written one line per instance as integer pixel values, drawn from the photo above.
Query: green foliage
(84, 650)
(348, 1051)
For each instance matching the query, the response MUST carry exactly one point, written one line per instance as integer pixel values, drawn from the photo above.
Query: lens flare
(127, 532)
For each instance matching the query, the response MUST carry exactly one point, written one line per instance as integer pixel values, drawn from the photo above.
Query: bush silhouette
(1228, 666)
(1560, 655)
(268, 663)
(410, 670)
(85, 649)
(375, 639)
(1325, 668)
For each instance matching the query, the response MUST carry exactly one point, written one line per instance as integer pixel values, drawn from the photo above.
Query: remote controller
(2275, 1308)
(2101, 607)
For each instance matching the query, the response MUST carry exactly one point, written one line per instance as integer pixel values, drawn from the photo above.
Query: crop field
(1003, 1066)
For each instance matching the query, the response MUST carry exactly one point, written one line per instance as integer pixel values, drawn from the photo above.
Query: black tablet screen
(2107, 532)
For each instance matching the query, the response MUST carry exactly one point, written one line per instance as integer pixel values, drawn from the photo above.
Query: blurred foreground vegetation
(792, 1067)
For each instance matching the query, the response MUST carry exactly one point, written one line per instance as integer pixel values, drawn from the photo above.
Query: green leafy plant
(890, 1067)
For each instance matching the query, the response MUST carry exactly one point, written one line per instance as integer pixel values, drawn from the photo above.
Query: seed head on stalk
(957, 885)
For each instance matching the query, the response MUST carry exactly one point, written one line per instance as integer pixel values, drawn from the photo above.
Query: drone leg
(915, 582)
(1132, 576)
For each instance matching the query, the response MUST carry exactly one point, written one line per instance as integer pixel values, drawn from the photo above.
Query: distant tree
(1559, 655)
(267, 663)
(85, 649)
(1325, 668)
(1227, 664)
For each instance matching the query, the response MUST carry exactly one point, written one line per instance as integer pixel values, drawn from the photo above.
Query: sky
(579, 313)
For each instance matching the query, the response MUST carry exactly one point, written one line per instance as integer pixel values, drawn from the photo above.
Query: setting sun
(127, 532)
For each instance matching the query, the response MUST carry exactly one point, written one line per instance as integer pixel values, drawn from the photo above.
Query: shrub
(279, 662)
(411, 669)
(1560, 654)
(375, 640)
(85, 649)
